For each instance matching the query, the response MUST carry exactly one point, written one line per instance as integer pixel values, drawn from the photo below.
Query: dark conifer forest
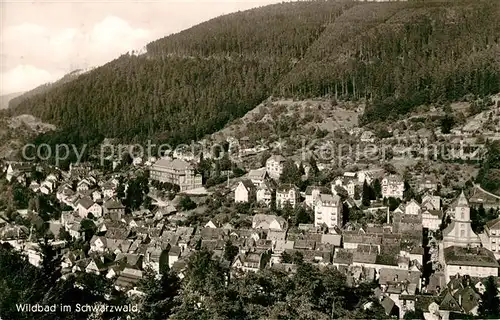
(397, 55)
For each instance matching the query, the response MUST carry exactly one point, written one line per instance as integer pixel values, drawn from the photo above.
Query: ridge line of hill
(397, 54)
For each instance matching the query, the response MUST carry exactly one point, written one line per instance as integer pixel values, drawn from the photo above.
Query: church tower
(459, 232)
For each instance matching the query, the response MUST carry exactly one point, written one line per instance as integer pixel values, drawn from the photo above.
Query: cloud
(33, 54)
(26, 77)
(111, 37)
(113, 28)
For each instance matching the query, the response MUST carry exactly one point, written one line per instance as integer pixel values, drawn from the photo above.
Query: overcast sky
(43, 40)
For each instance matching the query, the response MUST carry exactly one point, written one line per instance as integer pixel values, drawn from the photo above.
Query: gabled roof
(267, 185)
(128, 278)
(101, 266)
(108, 186)
(343, 256)
(321, 189)
(212, 233)
(282, 245)
(264, 220)
(176, 164)
(448, 302)
(95, 238)
(113, 204)
(328, 199)
(85, 202)
(287, 187)
(251, 258)
(276, 235)
(179, 266)
(130, 259)
(277, 158)
(84, 181)
(479, 257)
(393, 178)
(175, 251)
(21, 167)
(333, 239)
(387, 303)
(437, 279)
(388, 275)
(117, 233)
(493, 224)
(435, 213)
(183, 231)
(413, 201)
(248, 184)
(468, 297)
(257, 174)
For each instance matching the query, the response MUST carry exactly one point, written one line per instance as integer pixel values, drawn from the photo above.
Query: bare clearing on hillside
(14, 132)
(276, 119)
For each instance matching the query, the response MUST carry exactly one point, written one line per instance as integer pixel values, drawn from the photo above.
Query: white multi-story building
(176, 171)
(312, 193)
(287, 193)
(491, 237)
(475, 262)
(328, 211)
(393, 187)
(347, 183)
(274, 166)
(431, 219)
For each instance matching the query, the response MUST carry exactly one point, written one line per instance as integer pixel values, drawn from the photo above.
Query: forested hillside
(397, 55)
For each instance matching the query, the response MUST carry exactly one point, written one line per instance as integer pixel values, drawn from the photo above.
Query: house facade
(245, 192)
(328, 211)
(412, 208)
(475, 262)
(287, 194)
(86, 206)
(176, 171)
(274, 166)
(348, 183)
(393, 187)
(431, 202)
(431, 219)
(490, 239)
(265, 193)
(258, 176)
(312, 194)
